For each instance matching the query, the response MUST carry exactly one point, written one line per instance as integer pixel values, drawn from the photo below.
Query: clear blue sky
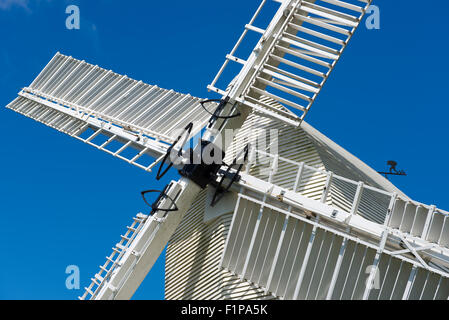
(64, 203)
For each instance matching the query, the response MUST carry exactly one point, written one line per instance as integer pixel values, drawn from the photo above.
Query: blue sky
(64, 203)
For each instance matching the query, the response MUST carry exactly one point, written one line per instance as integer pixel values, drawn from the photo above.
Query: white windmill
(312, 222)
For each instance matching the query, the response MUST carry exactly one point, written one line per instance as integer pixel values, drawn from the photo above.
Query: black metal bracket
(219, 110)
(220, 191)
(186, 133)
(162, 196)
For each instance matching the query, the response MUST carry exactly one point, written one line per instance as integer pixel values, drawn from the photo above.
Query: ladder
(113, 260)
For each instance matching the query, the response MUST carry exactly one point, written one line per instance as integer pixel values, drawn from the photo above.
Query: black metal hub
(202, 167)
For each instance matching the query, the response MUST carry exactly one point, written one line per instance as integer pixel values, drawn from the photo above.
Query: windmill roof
(339, 160)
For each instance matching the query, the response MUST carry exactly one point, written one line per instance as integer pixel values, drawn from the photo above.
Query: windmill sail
(295, 56)
(108, 111)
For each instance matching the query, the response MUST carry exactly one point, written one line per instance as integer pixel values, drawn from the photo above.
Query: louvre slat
(317, 34)
(284, 89)
(312, 49)
(345, 5)
(331, 14)
(291, 82)
(322, 24)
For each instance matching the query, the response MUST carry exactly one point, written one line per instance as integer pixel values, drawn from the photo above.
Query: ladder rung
(104, 269)
(122, 148)
(117, 250)
(151, 166)
(137, 156)
(238, 60)
(98, 277)
(123, 158)
(88, 290)
(107, 142)
(138, 165)
(111, 260)
(120, 246)
(140, 217)
(94, 135)
(81, 130)
(255, 29)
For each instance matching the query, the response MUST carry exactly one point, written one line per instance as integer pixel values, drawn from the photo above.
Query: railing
(410, 217)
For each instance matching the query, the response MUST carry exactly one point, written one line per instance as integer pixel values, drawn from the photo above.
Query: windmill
(311, 221)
